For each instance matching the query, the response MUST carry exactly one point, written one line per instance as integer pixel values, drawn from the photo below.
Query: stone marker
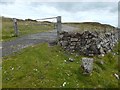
(87, 65)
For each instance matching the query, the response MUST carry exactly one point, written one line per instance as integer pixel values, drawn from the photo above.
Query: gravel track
(16, 45)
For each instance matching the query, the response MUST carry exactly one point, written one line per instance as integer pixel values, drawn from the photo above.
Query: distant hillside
(92, 23)
(92, 26)
(7, 19)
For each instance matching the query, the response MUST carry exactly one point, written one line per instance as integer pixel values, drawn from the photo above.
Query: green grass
(44, 66)
(24, 27)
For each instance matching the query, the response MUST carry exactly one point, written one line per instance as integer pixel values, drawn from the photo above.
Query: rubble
(88, 43)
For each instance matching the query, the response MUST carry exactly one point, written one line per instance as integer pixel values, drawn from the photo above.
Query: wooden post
(59, 27)
(15, 27)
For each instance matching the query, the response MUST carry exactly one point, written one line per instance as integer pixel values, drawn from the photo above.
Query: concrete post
(15, 27)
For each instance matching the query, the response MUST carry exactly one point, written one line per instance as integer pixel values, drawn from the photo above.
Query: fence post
(59, 27)
(15, 27)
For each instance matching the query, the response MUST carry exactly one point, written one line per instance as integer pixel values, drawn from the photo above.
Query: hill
(92, 26)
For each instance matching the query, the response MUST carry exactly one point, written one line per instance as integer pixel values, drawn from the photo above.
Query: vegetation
(92, 26)
(24, 27)
(44, 66)
(48, 67)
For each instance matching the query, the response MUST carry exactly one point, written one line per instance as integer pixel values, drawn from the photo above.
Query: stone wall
(89, 43)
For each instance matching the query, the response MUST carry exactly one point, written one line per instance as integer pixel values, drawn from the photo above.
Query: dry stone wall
(89, 43)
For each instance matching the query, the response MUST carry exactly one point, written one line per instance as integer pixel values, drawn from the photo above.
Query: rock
(102, 55)
(64, 84)
(117, 76)
(71, 59)
(12, 68)
(65, 61)
(61, 36)
(76, 55)
(64, 43)
(90, 54)
(74, 39)
(117, 53)
(114, 54)
(72, 47)
(35, 69)
(87, 65)
(73, 43)
(53, 43)
(101, 62)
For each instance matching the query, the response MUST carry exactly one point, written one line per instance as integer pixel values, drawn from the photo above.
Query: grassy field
(48, 67)
(24, 27)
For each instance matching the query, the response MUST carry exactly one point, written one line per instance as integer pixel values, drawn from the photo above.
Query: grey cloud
(80, 6)
(73, 6)
(119, 7)
(119, 14)
(114, 9)
(87, 6)
(6, 2)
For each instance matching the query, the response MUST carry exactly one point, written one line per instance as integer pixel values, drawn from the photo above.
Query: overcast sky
(103, 12)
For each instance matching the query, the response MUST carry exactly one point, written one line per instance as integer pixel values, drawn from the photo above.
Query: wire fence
(18, 27)
(34, 26)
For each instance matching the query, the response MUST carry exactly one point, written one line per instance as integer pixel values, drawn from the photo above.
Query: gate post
(15, 27)
(59, 27)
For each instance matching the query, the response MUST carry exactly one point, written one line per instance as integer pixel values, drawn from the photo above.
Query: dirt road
(16, 45)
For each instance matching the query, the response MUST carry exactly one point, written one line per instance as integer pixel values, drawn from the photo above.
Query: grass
(24, 27)
(42, 66)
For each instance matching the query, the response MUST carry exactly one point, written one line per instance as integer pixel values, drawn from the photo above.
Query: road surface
(16, 45)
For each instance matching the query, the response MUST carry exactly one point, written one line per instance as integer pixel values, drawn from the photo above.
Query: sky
(73, 11)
